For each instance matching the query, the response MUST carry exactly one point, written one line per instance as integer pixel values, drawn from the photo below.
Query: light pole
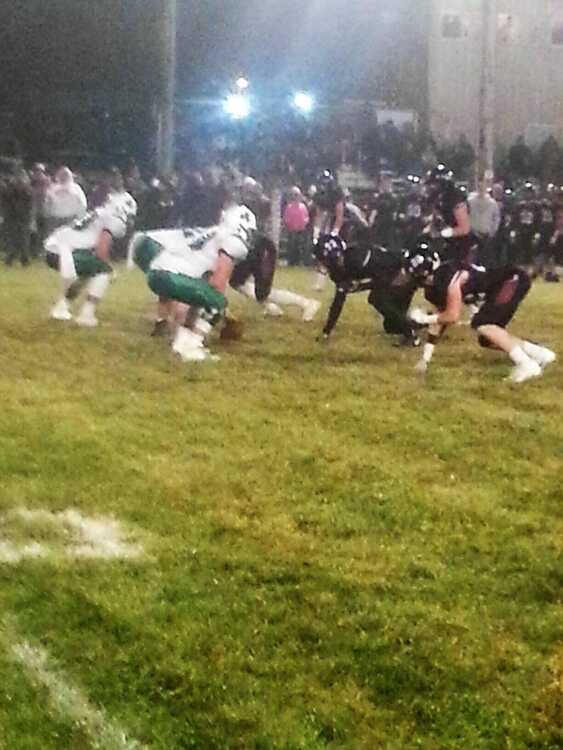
(166, 115)
(486, 155)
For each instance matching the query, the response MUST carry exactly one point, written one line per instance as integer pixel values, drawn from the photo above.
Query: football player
(500, 292)
(192, 268)
(524, 235)
(410, 215)
(376, 270)
(450, 216)
(555, 248)
(81, 252)
(329, 214)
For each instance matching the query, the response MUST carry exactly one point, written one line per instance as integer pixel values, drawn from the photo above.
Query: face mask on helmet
(328, 248)
(436, 179)
(421, 262)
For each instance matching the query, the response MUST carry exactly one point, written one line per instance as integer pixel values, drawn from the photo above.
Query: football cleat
(61, 311)
(87, 320)
(311, 308)
(271, 310)
(542, 356)
(525, 371)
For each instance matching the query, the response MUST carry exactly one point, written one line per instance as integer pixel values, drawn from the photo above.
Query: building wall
(529, 70)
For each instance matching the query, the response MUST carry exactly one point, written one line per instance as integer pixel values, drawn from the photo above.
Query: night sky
(356, 48)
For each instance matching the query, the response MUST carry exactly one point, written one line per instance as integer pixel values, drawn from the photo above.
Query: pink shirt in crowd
(296, 216)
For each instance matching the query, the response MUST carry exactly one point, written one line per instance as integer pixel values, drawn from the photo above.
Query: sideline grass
(337, 555)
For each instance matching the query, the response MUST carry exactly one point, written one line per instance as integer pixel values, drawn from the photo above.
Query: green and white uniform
(74, 246)
(178, 261)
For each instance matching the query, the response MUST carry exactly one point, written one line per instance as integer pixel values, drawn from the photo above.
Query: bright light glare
(242, 83)
(237, 106)
(304, 102)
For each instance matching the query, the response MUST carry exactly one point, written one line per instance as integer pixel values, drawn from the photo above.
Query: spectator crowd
(517, 216)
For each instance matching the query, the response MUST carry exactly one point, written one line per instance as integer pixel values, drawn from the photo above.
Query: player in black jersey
(374, 270)
(544, 234)
(410, 215)
(329, 214)
(524, 235)
(450, 216)
(499, 291)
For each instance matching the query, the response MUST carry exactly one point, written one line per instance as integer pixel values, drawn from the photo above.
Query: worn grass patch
(338, 556)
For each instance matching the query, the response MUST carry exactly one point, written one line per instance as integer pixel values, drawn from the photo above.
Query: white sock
(247, 289)
(88, 309)
(533, 350)
(98, 285)
(320, 280)
(285, 297)
(202, 327)
(518, 355)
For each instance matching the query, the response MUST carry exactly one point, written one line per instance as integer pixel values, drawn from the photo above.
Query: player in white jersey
(81, 253)
(193, 267)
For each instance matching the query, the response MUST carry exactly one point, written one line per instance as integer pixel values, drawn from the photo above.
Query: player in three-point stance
(499, 291)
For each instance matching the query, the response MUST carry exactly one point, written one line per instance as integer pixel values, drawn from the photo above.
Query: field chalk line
(67, 699)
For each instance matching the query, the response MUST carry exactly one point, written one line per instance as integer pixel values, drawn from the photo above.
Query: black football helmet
(422, 261)
(328, 249)
(326, 179)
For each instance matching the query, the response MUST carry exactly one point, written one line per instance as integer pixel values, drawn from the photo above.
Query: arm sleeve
(335, 310)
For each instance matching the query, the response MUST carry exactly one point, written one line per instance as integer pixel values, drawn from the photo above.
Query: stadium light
(242, 83)
(304, 102)
(237, 106)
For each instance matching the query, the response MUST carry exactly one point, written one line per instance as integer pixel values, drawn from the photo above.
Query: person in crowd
(200, 200)
(296, 223)
(16, 201)
(485, 222)
(65, 200)
(40, 184)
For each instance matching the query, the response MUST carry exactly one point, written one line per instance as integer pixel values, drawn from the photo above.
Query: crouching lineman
(500, 292)
(381, 272)
(81, 253)
(194, 266)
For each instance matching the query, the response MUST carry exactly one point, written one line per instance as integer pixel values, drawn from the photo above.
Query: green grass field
(335, 554)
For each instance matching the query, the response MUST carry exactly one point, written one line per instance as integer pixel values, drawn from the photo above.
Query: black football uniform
(501, 243)
(383, 231)
(525, 227)
(409, 220)
(499, 291)
(375, 270)
(326, 200)
(546, 228)
(459, 250)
